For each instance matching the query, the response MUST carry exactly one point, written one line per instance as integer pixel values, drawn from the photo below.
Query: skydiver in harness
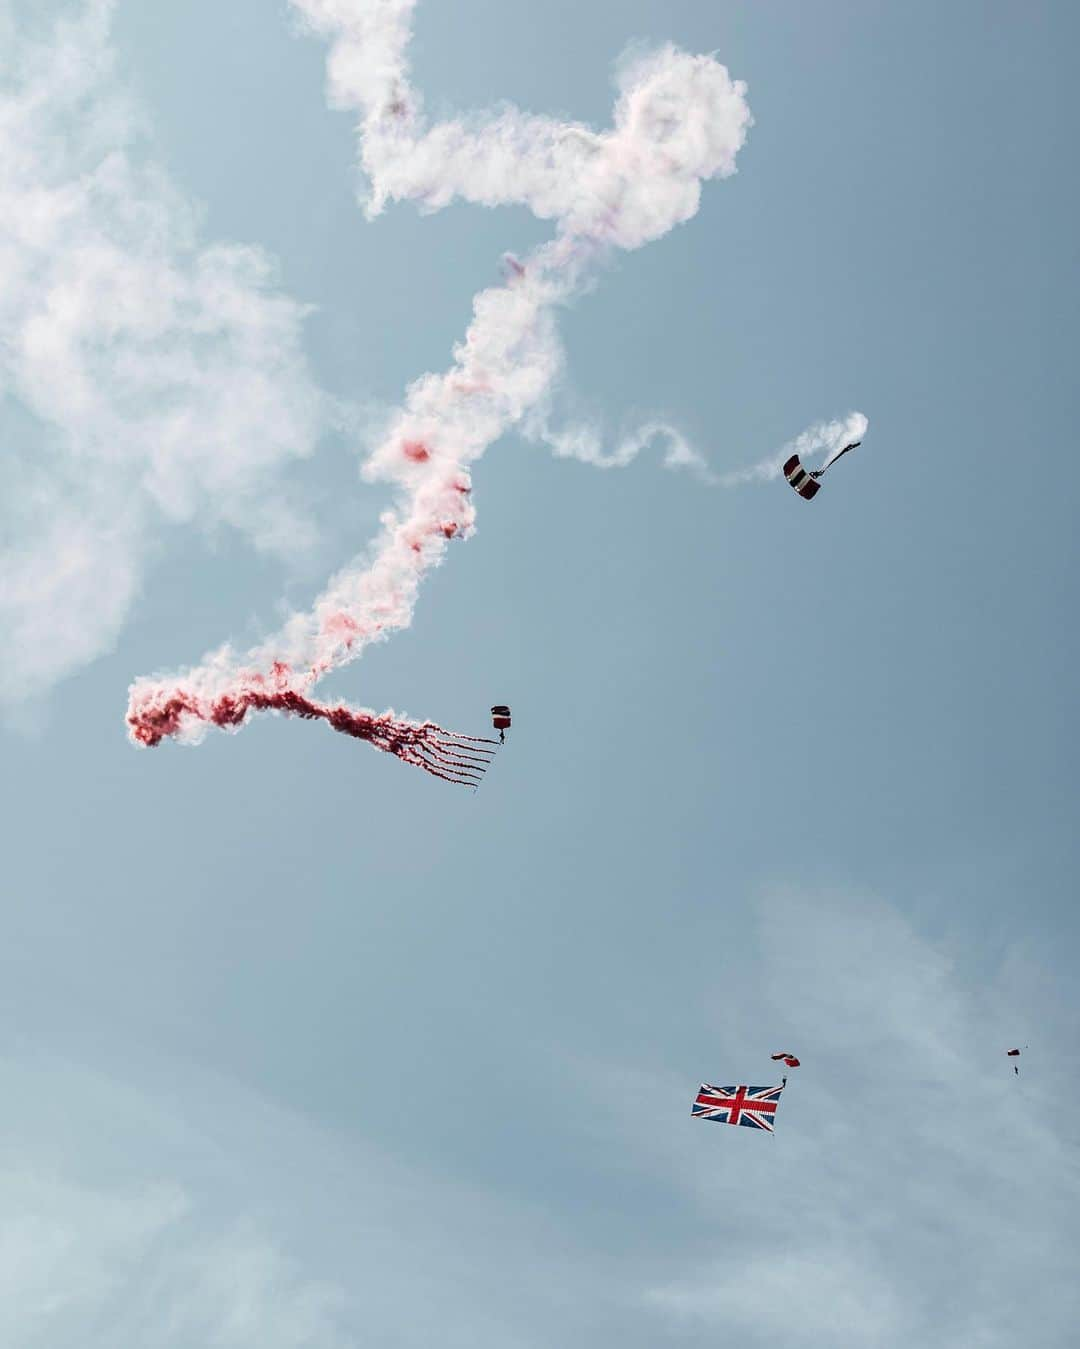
(807, 482)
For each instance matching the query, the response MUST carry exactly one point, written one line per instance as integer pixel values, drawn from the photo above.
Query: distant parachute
(500, 720)
(1014, 1054)
(789, 1060)
(804, 481)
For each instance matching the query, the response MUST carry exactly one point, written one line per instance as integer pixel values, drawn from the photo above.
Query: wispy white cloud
(146, 378)
(172, 1208)
(818, 1296)
(100, 1266)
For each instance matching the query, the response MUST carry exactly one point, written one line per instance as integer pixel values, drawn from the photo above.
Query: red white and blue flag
(752, 1107)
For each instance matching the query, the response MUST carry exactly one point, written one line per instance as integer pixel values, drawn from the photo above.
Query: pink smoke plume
(454, 758)
(679, 119)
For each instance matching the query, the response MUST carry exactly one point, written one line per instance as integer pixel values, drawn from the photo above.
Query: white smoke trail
(585, 443)
(849, 431)
(679, 119)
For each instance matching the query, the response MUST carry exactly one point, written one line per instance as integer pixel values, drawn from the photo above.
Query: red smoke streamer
(443, 754)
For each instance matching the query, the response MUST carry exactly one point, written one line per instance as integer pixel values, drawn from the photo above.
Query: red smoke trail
(678, 120)
(443, 754)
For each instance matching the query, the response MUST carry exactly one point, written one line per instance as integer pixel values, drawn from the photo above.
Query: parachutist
(783, 1081)
(806, 482)
(500, 720)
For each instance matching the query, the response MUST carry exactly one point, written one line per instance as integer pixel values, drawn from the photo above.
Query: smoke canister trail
(679, 119)
(454, 758)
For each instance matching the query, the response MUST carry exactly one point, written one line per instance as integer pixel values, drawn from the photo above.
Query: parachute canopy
(790, 1061)
(1013, 1053)
(806, 486)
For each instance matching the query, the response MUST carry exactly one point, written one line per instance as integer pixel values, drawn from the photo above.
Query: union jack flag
(752, 1107)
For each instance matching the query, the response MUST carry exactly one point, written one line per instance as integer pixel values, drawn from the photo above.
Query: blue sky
(305, 1048)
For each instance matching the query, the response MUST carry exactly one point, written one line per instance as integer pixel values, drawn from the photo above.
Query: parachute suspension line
(472, 756)
(820, 473)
